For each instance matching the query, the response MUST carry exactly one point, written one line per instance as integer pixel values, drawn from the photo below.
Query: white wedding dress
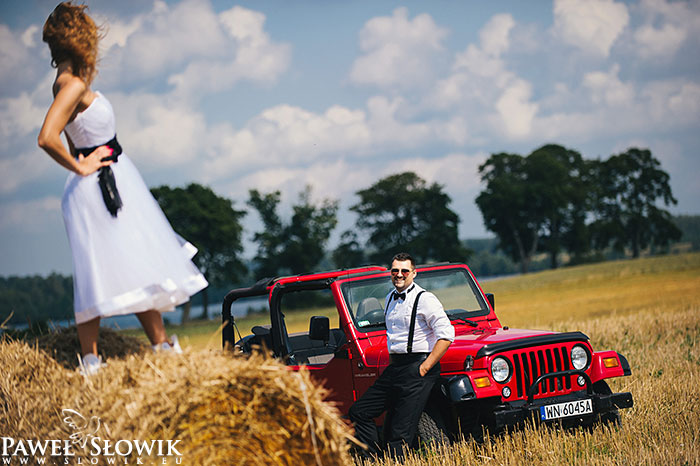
(131, 263)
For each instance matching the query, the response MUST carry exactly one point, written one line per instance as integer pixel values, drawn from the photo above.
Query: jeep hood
(473, 340)
(479, 342)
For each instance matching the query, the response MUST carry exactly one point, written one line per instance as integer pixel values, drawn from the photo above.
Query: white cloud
(159, 131)
(673, 103)
(22, 169)
(665, 28)
(19, 116)
(11, 51)
(196, 50)
(286, 134)
(15, 56)
(658, 42)
(117, 32)
(31, 216)
(610, 108)
(591, 25)
(169, 37)
(398, 51)
(342, 178)
(251, 55)
(479, 72)
(516, 110)
(482, 82)
(607, 89)
(389, 130)
(495, 35)
(31, 36)
(292, 135)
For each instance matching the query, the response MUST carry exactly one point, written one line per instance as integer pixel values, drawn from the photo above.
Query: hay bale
(33, 388)
(223, 409)
(63, 345)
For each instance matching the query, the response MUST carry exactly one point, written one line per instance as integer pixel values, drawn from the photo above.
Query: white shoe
(167, 347)
(90, 364)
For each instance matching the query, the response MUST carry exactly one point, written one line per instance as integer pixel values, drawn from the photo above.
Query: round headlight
(500, 369)
(579, 357)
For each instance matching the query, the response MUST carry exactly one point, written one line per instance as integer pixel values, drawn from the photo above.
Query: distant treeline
(36, 299)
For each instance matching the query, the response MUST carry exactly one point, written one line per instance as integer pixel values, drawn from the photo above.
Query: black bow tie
(396, 295)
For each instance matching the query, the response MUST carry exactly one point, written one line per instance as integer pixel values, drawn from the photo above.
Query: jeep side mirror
(320, 328)
(492, 300)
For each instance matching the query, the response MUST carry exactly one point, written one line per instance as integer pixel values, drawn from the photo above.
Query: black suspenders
(412, 328)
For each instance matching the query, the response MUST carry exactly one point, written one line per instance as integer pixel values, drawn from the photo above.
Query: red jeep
(492, 376)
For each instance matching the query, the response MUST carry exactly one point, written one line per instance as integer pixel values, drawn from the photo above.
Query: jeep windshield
(454, 287)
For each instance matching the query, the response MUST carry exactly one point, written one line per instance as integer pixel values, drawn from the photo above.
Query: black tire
(612, 417)
(431, 430)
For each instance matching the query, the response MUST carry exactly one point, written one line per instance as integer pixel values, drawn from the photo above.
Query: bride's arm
(65, 102)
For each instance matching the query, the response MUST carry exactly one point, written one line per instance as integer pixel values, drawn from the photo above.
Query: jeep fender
(459, 388)
(617, 365)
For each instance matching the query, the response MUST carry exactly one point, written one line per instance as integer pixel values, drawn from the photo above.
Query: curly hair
(72, 35)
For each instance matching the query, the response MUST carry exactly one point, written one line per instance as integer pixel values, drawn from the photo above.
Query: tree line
(398, 212)
(34, 299)
(551, 201)
(554, 201)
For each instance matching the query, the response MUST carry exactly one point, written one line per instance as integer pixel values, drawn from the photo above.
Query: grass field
(544, 300)
(647, 309)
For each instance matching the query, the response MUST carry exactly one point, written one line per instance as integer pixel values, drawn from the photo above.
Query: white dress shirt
(432, 324)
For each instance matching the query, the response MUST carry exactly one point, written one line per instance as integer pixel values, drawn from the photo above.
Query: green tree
(557, 179)
(690, 228)
(36, 299)
(349, 253)
(298, 246)
(632, 184)
(212, 224)
(510, 206)
(403, 213)
(270, 239)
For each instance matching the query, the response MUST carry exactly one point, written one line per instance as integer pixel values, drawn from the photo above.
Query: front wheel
(431, 430)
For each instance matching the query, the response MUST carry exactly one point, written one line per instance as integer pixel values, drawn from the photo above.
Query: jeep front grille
(528, 365)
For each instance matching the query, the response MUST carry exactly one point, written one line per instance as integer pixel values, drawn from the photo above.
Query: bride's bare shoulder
(71, 83)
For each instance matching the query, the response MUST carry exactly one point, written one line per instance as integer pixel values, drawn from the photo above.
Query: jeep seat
(370, 309)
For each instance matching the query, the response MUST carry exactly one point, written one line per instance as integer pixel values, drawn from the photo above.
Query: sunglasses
(403, 271)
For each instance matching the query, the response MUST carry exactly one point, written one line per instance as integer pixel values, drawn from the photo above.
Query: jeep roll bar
(280, 337)
(258, 289)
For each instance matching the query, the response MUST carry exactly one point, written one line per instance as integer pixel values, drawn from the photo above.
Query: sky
(278, 95)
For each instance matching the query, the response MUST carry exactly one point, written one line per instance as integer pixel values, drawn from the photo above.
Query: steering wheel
(374, 316)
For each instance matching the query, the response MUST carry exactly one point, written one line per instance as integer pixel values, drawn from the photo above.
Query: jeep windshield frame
(454, 286)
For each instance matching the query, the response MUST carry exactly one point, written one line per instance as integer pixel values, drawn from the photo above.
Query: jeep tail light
(610, 362)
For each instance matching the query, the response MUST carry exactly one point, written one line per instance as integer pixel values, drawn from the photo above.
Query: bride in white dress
(126, 257)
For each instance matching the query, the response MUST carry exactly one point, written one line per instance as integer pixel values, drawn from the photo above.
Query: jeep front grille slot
(529, 365)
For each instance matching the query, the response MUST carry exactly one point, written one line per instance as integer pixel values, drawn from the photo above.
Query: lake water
(240, 308)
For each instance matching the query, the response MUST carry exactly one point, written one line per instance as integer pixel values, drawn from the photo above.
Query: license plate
(568, 409)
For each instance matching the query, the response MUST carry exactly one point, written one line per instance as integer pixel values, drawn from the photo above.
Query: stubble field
(648, 310)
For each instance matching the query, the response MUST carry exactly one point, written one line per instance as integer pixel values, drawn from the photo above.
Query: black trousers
(402, 393)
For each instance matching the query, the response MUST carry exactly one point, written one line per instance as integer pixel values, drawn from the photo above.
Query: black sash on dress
(108, 184)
